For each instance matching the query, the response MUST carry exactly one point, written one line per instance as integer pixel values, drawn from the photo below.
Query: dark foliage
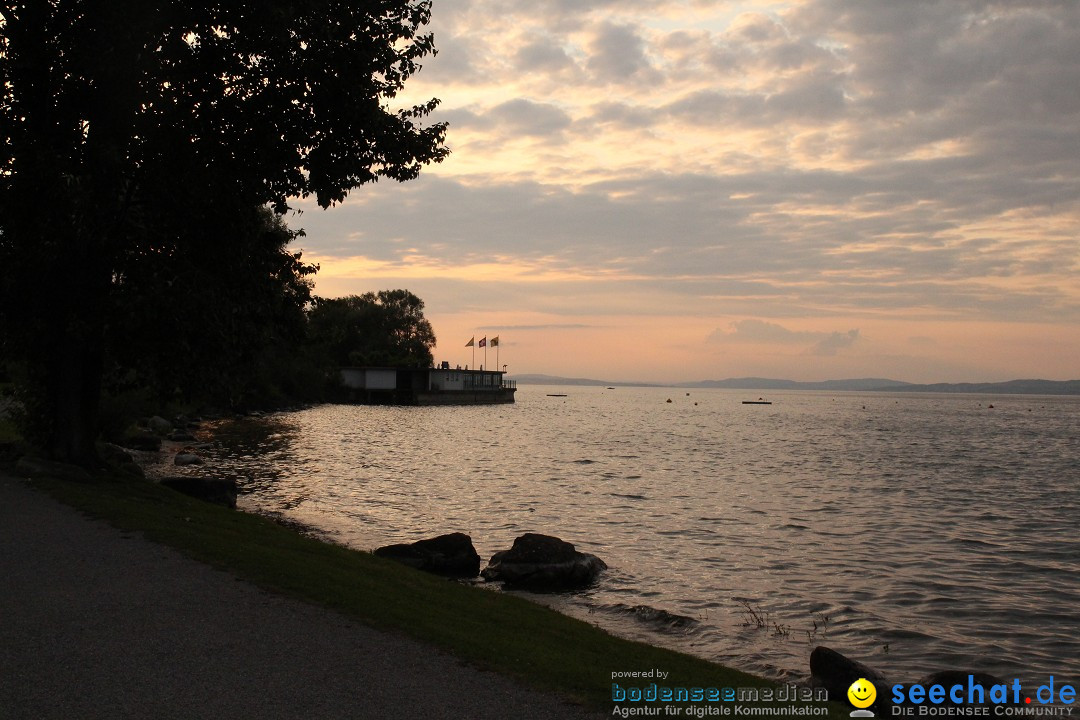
(387, 328)
(137, 140)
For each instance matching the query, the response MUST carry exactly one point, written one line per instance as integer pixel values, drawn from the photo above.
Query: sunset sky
(683, 190)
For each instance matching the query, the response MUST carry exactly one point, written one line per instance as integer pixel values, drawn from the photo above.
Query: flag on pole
(483, 342)
(472, 342)
(495, 341)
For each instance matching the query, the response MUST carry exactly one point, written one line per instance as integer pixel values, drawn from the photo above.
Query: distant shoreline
(1011, 387)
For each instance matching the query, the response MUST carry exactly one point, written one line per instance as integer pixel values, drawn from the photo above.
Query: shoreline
(497, 632)
(617, 620)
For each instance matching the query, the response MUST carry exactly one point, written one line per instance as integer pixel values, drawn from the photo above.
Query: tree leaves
(387, 328)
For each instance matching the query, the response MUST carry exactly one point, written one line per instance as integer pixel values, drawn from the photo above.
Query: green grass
(491, 630)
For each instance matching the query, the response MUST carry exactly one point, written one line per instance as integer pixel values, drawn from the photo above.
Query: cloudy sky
(699, 189)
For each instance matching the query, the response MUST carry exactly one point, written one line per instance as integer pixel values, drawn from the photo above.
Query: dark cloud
(543, 54)
(525, 117)
(814, 96)
(990, 73)
(458, 59)
(617, 54)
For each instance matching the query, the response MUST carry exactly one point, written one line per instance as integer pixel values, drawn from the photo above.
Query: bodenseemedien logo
(862, 694)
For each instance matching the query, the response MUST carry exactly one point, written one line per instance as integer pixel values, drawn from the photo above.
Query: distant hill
(539, 379)
(1012, 387)
(771, 384)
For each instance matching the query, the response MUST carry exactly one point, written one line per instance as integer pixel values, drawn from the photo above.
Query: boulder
(543, 563)
(181, 436)
(137, 439)
(835, 672)
(213, 490)
(159, 425)
(120, 459)
(452, 555)
(187, 459)
(114, 454)
(131, 470)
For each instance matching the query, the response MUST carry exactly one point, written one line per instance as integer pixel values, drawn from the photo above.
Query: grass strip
(493, 631)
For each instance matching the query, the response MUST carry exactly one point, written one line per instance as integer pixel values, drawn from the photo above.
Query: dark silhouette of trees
(387, 328)
(116, 115)
(216, 318)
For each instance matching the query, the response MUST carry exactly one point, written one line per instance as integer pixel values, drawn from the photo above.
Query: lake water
(912, 532)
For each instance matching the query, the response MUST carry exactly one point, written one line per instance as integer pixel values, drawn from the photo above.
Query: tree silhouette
(387, 328)
(109, 106)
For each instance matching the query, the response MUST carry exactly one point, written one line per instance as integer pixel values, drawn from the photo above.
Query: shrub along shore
(491, 630)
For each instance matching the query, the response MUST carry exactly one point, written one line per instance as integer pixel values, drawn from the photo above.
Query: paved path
(96, 623)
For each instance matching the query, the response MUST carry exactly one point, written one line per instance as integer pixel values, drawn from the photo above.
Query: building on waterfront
(426, 386)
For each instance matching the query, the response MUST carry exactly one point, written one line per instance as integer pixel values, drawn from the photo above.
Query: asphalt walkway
(98, 623)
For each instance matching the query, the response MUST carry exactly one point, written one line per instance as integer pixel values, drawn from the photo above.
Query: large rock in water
(186, 458)
(219, 491)
(835, 673)
(543, 563)
(452, 555)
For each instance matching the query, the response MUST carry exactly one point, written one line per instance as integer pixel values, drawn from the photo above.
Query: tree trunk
(74, 396)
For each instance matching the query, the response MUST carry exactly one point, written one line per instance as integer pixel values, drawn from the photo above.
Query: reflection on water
(914, 532)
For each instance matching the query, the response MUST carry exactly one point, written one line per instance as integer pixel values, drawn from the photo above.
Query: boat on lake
(759, 401)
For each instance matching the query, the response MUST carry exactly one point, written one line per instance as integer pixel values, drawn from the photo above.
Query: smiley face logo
(862, 693)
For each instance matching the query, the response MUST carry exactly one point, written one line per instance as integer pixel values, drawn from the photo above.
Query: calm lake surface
(912, 532)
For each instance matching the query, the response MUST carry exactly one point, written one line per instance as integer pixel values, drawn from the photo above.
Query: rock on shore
(452, 555)
(186, 458)
(543, 563)
(219, 491)
(836, 673)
